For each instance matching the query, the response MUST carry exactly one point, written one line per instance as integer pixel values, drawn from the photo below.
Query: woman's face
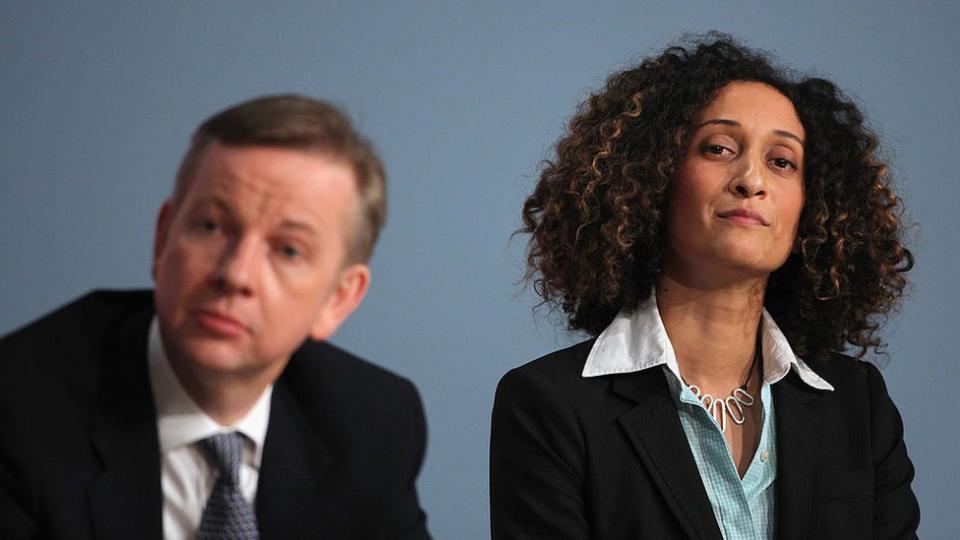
(737, 194)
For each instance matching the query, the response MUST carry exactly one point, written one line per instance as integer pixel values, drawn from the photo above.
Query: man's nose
(237, 269)
(748, 180)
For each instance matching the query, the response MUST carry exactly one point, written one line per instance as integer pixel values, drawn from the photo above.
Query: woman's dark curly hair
(596, 218)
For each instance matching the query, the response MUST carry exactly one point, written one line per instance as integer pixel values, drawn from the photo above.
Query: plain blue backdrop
(97, 100)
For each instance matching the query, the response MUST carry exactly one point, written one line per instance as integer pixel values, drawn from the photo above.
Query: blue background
(97, 101)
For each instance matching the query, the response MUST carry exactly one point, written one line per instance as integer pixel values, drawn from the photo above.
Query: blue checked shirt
(745, 507)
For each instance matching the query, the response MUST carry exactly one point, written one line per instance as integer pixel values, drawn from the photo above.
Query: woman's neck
(713, 331)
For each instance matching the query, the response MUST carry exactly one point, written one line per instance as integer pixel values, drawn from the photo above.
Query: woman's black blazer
(606, 457)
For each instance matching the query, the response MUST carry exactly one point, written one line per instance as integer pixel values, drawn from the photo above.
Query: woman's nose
(748, 180)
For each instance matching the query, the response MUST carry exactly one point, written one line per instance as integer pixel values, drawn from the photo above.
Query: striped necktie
(227, 515)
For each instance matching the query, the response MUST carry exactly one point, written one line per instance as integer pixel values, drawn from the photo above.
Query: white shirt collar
(180, 421)
(638, 341)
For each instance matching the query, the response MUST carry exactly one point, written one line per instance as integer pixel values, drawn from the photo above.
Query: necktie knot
(224, 451)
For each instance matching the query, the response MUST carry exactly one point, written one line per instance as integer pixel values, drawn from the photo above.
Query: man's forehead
(300, 189)
(273, 171)
(286, 210)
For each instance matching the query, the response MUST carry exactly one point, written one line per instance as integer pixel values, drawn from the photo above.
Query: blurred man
(212, 407)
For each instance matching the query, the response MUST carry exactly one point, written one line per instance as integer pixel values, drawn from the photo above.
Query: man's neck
(226, 400)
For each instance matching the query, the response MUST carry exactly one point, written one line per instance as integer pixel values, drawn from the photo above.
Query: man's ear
(160, 234)
(351, 287)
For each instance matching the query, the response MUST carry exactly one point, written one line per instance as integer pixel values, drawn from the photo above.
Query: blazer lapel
(654, 430)
(798, 458)
(290, 502)
(125, 497)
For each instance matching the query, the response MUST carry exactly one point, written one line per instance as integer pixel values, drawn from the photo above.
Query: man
(212, 407)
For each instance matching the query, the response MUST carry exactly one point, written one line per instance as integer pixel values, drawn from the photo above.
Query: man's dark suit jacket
(606, 457)
(79, 452)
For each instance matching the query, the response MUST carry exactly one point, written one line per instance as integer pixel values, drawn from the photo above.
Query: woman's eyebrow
(734, 123)
(720, 121)
(787, 134)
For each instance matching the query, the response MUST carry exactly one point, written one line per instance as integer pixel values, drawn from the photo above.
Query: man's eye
(289, 251)
(208, 225)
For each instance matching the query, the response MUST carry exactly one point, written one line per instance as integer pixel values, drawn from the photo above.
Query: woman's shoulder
(553, 380)
(560, 368)
(862, 432)
(846, 373)
(859, 390)
(553, 387)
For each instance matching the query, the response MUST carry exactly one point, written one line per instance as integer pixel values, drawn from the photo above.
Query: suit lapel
(798, 458)
(654, 430)
(124, 497)
(290, 503)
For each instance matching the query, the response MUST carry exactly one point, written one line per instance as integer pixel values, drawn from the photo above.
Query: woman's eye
(783, 163)
(716, 149)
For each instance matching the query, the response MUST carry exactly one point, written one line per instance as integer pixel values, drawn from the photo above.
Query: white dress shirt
(637, 341)
(186, 477)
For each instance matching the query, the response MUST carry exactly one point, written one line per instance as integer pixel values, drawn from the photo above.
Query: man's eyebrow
(298, 225)
(734, 123)
(294, 224)
(214, 200)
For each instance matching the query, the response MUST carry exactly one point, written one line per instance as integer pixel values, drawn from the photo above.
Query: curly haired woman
(723, 231)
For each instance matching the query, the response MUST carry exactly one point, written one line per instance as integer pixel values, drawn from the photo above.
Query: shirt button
(764, 456)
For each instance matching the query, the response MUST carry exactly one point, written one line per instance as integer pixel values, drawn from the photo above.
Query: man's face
(252, 260)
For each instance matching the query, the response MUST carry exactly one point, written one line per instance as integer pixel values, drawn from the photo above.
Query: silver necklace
(732, 406)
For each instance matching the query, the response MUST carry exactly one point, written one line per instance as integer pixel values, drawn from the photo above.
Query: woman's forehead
(753, 104)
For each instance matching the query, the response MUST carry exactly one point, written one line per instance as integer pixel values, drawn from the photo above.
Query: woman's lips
(219, 324)
(743, 216)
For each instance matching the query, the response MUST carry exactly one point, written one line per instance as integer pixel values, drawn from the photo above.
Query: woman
(723, 232)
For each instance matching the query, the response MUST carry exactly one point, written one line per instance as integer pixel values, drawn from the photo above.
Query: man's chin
(205, 356)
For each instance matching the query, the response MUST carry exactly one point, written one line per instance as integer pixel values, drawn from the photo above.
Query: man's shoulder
(58, 360)
(322, 359)
(371, 419)
(75, 330)
(321, 372)
(94, 313)
(56, 367)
